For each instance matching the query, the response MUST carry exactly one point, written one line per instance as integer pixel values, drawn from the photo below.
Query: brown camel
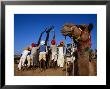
(81, 35)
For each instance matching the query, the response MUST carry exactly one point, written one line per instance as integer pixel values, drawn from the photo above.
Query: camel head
(80, 33)
(69, 29)
(77, 31)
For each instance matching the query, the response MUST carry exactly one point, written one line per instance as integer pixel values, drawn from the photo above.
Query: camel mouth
(65, 33)
(71, 30)
(67, 29)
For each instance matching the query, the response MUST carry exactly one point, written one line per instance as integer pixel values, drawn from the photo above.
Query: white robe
(60, 61)
(23, 58)
(33, 55)
(54, 52)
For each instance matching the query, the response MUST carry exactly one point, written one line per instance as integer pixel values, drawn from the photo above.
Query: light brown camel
(81, 35)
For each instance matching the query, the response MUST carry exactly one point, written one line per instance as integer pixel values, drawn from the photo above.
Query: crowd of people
(51, 56)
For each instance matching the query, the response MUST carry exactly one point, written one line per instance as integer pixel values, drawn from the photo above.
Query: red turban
(33, 45)
(53, 42)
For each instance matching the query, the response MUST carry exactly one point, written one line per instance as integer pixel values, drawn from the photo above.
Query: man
(23, 57)
(33, 55)
(54, 52)
(43, 50)
(42, 54)
(60, 61)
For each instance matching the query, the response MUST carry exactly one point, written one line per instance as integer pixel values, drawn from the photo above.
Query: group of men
(32, 55)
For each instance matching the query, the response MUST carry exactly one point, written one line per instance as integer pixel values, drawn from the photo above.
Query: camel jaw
(66, 33)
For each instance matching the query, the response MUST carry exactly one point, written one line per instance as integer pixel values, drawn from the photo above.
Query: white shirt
(34, 49)
(53, 48)
(25, 53)
(60, 50)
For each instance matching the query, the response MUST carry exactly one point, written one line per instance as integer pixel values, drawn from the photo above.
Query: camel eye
(82, 28)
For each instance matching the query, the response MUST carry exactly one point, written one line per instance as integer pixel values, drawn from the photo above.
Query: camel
(81, 35)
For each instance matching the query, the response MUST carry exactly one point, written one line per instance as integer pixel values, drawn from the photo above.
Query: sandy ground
(52, 71)
(37, 72)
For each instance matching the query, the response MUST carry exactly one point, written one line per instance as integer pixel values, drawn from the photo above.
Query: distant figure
(60, 61)
(23, 57)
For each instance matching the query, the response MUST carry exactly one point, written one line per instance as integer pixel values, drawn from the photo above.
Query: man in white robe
(23, 58)
(60, 61)
(54, 52)
(33, 56)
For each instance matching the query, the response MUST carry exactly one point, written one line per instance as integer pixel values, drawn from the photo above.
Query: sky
(27, 28)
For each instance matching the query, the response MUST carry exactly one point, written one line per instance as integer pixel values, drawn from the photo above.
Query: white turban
(42, 42)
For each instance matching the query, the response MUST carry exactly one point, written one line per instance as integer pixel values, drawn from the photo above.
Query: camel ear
(90, 27)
